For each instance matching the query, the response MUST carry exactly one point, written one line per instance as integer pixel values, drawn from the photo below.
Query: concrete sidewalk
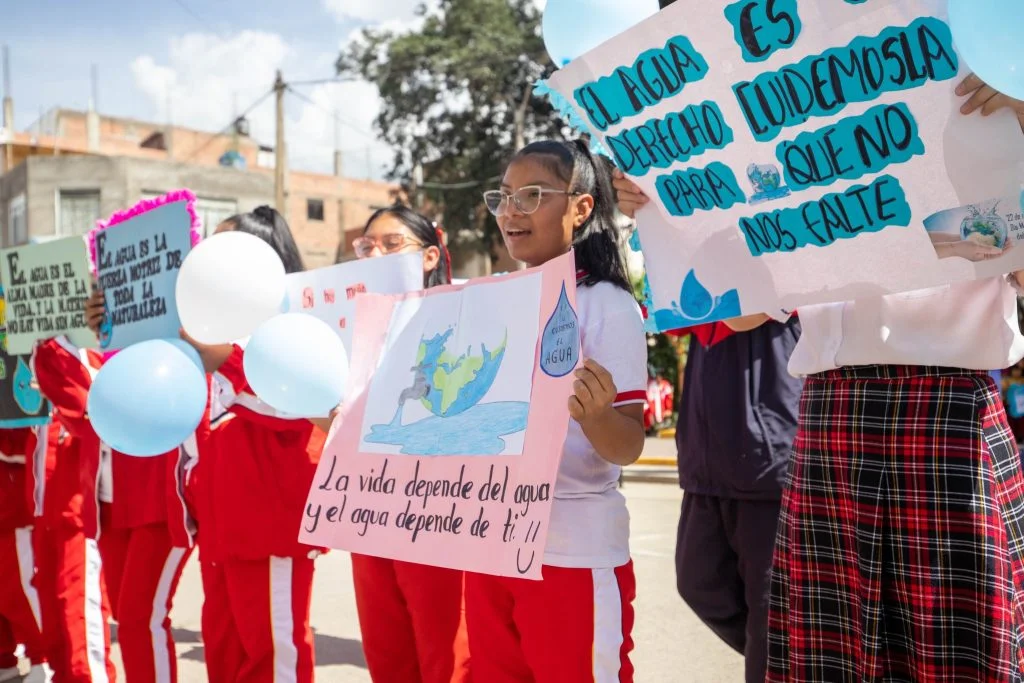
(672, 646)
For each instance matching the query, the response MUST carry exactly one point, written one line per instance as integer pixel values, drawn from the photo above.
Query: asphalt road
(672, 646)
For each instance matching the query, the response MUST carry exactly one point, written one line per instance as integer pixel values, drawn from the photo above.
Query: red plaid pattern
(900, 544)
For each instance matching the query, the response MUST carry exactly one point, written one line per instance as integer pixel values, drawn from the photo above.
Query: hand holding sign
(593, 392)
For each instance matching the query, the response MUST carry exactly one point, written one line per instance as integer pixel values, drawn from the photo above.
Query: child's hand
(213, 356)
(95, 310)
(630, 197)
(594, 392)
(987, 99)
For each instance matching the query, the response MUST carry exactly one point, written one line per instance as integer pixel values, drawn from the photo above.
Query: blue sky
(201, 58)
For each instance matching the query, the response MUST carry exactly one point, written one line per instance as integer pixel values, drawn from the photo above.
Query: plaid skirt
(900, 552)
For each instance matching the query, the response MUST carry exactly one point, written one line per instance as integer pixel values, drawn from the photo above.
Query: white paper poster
(796, 150)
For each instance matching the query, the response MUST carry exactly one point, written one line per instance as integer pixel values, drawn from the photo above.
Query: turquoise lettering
(655, 76)
(823, 85)
(659, 143)
(699, 189)
(763, 26)
(851, 148)
(859, 210)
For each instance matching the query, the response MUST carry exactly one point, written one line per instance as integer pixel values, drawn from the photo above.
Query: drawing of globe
(456, 383)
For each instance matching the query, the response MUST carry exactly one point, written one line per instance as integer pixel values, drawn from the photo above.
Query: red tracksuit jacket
(253, 479)
(141, 491)
(16, 447)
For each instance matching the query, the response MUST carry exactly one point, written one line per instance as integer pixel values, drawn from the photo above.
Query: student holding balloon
(575, 624)
(411, 615)
(249, 490)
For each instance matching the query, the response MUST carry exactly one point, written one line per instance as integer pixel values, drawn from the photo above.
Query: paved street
(672, 646)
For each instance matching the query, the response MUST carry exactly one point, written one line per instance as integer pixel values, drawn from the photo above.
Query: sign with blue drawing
(795, 152)
(137, 255)
(21, 403)
(447, 447)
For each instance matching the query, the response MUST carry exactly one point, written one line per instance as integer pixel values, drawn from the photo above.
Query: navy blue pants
(723, 561)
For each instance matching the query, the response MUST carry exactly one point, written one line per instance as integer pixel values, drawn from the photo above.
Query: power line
(182, 5)
(332, 114)
(231, 125)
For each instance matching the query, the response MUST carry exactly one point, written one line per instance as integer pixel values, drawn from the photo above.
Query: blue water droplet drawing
(696, 305)
(560, 340)
(28, 398)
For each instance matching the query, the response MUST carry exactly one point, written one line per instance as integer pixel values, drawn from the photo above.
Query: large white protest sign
(800, 152)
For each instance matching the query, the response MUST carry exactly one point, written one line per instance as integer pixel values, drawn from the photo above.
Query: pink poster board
(447, 451)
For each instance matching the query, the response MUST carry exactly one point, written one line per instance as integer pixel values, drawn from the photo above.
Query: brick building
(73, 168)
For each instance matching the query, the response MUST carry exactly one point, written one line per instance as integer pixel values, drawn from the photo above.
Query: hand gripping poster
(448, 444)
(800, 152)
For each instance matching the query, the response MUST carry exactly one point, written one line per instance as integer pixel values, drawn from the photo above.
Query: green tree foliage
(458, 99)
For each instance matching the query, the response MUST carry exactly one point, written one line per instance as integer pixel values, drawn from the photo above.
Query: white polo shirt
(589, 525)
(971, 325)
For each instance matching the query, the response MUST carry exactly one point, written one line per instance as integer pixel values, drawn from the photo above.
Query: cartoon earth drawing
(988, 229)
(453, 384)
(767, 183)
(452, 387)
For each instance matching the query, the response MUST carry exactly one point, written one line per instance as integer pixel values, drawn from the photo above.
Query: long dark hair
(271, 227)
(596, 242)
(427, 233)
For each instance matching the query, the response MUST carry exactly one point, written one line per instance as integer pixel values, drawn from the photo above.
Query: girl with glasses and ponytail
(411, 615)
(576, 623)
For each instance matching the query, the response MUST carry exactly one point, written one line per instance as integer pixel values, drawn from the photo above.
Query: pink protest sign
(447, 449)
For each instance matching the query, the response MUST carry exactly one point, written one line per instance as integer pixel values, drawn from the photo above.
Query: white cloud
(371, 11)
(208, 73)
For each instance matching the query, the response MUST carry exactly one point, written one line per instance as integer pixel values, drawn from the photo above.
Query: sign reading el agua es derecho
(800, 152)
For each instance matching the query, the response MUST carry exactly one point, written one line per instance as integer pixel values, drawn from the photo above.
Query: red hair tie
(444, 249)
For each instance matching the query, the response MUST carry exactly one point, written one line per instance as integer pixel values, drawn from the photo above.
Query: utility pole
(279, 151)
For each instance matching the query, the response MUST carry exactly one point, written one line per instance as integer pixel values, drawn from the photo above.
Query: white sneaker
(40, 673)
(11, 674)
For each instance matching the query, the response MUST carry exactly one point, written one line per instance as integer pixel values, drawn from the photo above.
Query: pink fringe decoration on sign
(141, 208)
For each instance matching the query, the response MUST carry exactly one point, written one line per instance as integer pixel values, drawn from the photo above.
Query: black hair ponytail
(596, 242)
(427, 233)
(271, 227)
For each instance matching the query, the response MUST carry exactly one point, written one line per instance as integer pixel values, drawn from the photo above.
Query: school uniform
(900, 550)
(20, 620)
(737, 420)
(250, 489)
(576, 624)
(75, 621)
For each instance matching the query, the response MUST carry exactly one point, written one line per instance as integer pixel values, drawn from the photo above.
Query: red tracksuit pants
(256, 620)
(142, 569)
(574, 626)
(412, 621)
(74, 606)
(20, 620)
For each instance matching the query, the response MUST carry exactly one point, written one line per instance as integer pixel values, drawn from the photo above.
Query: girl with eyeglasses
(576, 623)
(411, 615)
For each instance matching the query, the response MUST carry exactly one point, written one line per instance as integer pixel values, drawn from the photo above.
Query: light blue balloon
(149, 398)
(297, 365)
(574, 27)
(987, 35)
(189, 351)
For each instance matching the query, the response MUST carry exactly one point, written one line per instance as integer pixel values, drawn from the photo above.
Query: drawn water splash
(560, 341)
(767, 183)
(29, 399)
(476, 431)
(696, 305)
(567, 112)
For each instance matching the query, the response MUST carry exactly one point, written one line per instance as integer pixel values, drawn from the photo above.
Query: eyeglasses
(388, 244)
(526, 199)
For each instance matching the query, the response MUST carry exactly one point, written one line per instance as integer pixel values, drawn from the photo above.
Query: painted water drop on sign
(560, 341)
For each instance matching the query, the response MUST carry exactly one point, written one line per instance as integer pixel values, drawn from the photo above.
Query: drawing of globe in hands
(454, 384)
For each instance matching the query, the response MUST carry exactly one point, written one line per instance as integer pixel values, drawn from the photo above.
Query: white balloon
(229, 285)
